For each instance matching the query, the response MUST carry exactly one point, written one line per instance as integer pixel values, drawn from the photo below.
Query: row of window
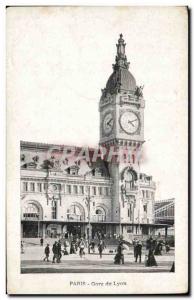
(74, 213)
(69, 189)
(148, 194)
(31, 187)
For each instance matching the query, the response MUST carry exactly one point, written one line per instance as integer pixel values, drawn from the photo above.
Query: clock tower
(121, 105)
(121, 110)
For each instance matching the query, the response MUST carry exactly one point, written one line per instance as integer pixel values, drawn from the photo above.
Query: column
(134, 229)
(60, 229)
(85, 228)
(64, 228)
(124, 231)
(89, 231)
(44, 230)
(149, 230)
(166, 232)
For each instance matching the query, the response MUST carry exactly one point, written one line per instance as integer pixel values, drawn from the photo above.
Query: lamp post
(120, 226)
(88, 201)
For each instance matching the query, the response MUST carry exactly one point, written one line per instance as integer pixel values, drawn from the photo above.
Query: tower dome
(121, 78)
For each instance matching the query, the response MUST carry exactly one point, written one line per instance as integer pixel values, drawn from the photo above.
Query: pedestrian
(119, 257)
(66, 246)
(41, 242)
(138, 251)
(158, 249)
(151, 261)
(167, 247)
(76, 244)
(81, 247)
(173, 267)
(134, 246)
(22, 248)
(72, 248)
(47, 252)
(55, 251)
(92, 246)
(100, 248)
(59, 252)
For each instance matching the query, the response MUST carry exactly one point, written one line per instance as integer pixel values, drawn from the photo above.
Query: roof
(123, 78)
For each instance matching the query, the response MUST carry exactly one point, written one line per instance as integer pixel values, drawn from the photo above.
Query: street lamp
(88, 201)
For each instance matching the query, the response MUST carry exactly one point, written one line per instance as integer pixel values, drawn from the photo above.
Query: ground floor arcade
(34, 229)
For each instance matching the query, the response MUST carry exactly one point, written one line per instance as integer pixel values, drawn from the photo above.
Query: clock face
(108, 123)
(129, 122)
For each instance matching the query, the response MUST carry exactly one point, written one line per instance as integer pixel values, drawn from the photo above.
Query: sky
(59, 59)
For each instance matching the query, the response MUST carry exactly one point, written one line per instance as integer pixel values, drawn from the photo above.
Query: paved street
(32, 262)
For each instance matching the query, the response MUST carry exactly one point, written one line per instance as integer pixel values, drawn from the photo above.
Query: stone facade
(62, 194)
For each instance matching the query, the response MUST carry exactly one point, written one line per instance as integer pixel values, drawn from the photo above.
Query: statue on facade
(139, 91)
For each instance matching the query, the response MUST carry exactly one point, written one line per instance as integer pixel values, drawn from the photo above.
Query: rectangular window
(100, 190)
(25, 186)
(106, 191)
(45, 186)
(147, 194)
(88, 190)
(94, 190)
(68, 189)
(32, 186)
(39, 187)
(54, 210)
(145, 208)
(81, 190)
(75, 189)
(130, 212)
(143, 193)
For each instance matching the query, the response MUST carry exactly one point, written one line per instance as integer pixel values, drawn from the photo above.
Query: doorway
(30, 229)
(74, 229)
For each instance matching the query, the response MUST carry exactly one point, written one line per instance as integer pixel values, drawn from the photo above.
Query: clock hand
(131, 123)
(108, 123)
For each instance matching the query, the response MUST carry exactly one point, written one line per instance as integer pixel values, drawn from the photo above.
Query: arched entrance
(75, 217)
(99, 230)
(31, 217)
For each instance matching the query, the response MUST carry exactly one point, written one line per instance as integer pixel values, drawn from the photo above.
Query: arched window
(100, 214)
(129, 176)
(31, 212)
(75, 213)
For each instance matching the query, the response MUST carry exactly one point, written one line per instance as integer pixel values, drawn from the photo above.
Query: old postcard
(97, 141)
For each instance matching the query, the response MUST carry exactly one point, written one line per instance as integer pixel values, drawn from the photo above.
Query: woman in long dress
(151, 261)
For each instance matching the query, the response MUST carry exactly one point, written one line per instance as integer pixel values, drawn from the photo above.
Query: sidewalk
(32, 262)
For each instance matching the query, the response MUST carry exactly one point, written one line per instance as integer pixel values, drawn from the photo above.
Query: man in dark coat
(100, 248)
(55, 251)
(47, 252)
(120, 252)
(138, 251)
(59, 252)
(134, 246)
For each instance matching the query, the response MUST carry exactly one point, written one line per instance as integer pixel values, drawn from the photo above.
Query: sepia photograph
(97, 110)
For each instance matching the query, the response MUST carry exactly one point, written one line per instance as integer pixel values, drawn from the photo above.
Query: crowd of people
(153, 247)
(78, 245)
(81, 245)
